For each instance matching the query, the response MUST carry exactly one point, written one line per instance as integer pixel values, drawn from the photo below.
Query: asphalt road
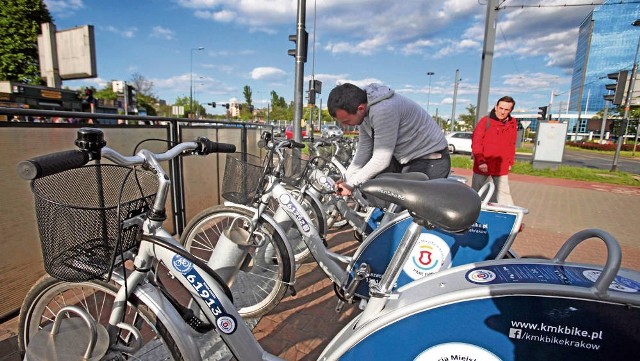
(602, 161)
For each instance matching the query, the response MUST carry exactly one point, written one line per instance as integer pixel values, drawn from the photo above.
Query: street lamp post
(195, 96)
(455, 95)
(191, 78)
(429, 94)
(627, 104)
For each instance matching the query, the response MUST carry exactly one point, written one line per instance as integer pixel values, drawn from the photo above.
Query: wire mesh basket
(81, 214)
(241, 177)
(294, 166)
(344, 155)
(325, 152)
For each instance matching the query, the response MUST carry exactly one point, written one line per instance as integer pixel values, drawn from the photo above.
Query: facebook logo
(515, 333)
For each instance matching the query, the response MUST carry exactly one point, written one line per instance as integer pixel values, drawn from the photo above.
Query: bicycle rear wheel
(262, 282)
(49, 295)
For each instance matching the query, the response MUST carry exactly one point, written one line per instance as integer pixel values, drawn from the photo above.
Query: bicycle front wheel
(262, 281)
(49, 295)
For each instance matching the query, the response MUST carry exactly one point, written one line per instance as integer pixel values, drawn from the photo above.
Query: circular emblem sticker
(457, 351)
(430, 255)
(481, 276)
(226, 324)
(181, 264)
(285, 199)
(616, 285)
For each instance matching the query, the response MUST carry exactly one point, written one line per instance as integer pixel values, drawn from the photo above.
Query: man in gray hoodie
(395, 134)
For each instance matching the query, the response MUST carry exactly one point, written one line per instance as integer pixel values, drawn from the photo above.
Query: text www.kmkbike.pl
(545, 333)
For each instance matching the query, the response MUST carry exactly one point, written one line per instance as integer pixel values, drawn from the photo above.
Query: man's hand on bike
(343, 189)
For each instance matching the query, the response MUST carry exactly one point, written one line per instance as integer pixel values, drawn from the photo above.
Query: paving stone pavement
(301, 326)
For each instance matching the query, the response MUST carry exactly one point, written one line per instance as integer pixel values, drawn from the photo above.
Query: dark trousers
(433, 168)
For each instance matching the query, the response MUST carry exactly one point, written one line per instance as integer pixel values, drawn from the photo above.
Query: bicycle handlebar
(49, 164)
(207, 146)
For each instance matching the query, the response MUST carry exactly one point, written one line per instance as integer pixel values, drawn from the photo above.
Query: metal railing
(196, 183)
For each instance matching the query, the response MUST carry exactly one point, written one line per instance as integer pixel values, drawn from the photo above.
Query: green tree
(19, 28)
(469, 118)
(142, 85)
(106, 93)
(248, 95)
(277, 101)
(145, 96)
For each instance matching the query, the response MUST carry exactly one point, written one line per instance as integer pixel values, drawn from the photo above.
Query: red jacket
(495, 146)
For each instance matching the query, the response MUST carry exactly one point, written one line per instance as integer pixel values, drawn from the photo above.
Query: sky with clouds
(359, 41)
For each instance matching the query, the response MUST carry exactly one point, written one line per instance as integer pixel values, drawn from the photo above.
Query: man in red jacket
(494, 150)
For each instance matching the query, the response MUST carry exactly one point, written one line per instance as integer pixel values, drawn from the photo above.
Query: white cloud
(125, 33)
(64, 8)
(160, 32)
(414, 27)
(359, 82)
(268, 74)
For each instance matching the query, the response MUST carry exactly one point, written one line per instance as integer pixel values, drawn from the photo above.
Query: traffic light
(619, 87)
(301, 45)
(315, 87)
(213, 104)
(132, 96)
(226, 105)
(542, 113)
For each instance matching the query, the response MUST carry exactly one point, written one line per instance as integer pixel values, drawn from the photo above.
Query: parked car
(329, 131)
(288, 132)
(459, 142)
(278, 131)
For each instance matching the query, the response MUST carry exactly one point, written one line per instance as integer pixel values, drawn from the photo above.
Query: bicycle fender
(278, 229)
(316, 200)
(152, 298)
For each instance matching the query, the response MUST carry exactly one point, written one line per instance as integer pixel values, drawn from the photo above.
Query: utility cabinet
(549, 145)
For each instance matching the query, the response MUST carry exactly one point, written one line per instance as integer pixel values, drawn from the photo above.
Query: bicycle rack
(66, 337)
(612, 264)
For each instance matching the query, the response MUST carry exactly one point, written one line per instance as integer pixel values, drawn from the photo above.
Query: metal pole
(191, 78)
(429, 94)
(635, 142)
(191, 82)
(298, 88)
(487, 59)
(604, 120)
(455, 95)
(627, 105)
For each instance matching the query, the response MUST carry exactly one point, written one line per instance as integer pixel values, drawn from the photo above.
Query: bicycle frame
(288, 213)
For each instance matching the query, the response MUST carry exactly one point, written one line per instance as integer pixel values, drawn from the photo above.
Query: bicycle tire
(49, 294)
(258, 287)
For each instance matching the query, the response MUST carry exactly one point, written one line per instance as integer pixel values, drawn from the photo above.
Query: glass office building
(607, 43)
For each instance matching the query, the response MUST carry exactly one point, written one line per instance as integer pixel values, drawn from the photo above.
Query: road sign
(177, 110)
(525, 123)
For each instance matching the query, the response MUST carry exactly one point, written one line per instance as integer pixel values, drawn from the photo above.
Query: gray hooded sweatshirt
(394, 126)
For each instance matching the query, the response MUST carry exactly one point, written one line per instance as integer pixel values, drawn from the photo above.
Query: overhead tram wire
(593, 3)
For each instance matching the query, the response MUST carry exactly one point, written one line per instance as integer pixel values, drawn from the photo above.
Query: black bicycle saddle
(444, 203)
